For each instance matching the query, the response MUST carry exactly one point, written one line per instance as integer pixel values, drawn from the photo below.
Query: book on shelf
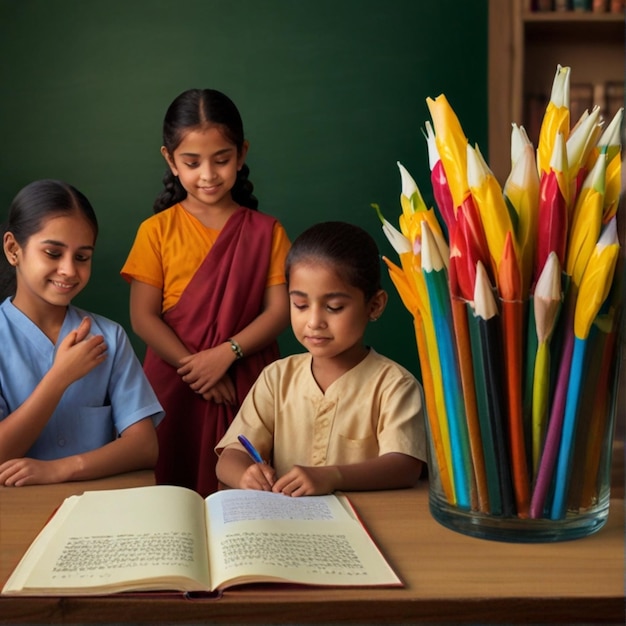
(166, 538)
(563, 5)
(581, 99)
(614, 95)
(542, 5)
(535, 108)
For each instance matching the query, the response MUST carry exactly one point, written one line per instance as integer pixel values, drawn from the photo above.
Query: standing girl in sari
(208, 293)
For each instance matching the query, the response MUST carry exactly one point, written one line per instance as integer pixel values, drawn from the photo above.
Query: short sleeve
(280, 248)
(255, 418)
(144, 262)
(131, 395)
(401, 425)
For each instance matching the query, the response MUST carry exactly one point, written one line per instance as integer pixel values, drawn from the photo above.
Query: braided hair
(192, 109)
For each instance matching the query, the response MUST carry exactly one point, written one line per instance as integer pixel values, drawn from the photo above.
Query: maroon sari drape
(225, 295)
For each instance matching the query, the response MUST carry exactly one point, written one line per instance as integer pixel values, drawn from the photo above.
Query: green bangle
(236, 348)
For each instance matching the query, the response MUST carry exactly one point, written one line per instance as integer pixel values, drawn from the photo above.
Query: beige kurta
(373, 409)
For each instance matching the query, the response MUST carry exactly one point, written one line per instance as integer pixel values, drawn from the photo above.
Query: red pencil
(509, 286)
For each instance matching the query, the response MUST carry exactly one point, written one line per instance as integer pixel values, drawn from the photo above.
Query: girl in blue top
(74, 402)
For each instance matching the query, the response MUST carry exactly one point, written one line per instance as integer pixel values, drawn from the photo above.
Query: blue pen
(250, 449)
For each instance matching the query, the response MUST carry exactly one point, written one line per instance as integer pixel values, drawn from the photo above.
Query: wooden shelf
(572, 17)
(524, 51)
(582, 28)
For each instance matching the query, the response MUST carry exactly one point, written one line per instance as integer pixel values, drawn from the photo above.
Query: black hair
(350, 250)
(35, 203)
(197, 108)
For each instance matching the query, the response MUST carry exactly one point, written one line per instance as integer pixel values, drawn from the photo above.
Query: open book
(169, 538)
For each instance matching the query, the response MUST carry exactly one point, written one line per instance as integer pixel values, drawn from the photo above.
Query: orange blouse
(170, 246)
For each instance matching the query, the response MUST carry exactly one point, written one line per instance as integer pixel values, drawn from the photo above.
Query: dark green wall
(332, 93)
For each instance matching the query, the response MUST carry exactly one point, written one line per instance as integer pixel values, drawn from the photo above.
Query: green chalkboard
(332, 93)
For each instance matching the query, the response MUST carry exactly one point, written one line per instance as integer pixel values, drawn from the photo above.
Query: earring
(373, 318)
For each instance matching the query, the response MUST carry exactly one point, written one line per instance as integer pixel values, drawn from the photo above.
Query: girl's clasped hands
(206, 373)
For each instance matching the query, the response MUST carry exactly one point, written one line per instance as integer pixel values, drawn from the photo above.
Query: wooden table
(448, 577)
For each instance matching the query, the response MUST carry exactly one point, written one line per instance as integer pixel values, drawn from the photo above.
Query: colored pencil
(466, 370)
(466, 248)
(610, 142)
(538, 501)
(568, 430)
(440, 440)
(600, 403)
(482, 390)
(521, 193)
(491, 352)
(593, 416)
(406, 282)
(546, 305)
(530, 356)
(512, 318)
(439, 183)
(553, 210)
(556, 118)
(438, 295)
(491, 205)
(586, 222)
(594, 289)
(451, 144)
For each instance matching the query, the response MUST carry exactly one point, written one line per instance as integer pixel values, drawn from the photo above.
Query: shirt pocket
(355, 450)
(95, 426)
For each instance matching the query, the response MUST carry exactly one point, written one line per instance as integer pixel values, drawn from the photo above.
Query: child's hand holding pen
(259, 475)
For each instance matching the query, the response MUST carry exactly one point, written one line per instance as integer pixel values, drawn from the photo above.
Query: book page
(30, 559)
(262, 536)
(118, 540)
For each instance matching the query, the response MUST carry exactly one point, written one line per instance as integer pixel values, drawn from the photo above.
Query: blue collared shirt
(94, 409)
